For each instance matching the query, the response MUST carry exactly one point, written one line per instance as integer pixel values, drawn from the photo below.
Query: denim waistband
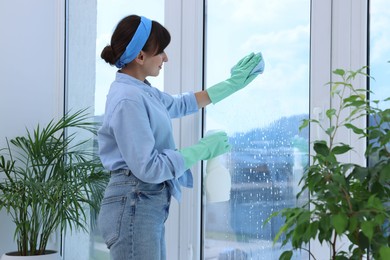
(122, 171)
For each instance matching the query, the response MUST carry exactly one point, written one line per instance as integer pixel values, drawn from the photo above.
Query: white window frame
(183, 72)
(338, 40)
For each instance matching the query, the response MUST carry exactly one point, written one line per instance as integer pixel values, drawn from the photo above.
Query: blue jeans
(132, 217)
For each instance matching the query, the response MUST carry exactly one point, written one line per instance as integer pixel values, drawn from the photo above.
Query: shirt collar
(125, 78)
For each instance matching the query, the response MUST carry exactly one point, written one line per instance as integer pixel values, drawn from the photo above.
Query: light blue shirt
(136, 133)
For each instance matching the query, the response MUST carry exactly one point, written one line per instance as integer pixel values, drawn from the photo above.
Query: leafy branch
(50, 179)
(345, 200)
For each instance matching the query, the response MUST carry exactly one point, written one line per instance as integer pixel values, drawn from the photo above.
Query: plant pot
(50, 255)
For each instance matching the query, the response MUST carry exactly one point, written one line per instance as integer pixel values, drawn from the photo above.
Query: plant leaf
(353, 223)
(374, 134)
(339, 178)
(305, 123)
(385, 114)
(339, 222)
(368, 229)
(375, 203)
(330, 112)
(355, 129)
(340, 72)
(384, 175)
(330, 130)
(360, 173)
(384, 252)
(321, 148)
(341, 149)
(286, 255)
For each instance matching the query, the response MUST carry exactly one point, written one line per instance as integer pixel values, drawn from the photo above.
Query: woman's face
(153, 63)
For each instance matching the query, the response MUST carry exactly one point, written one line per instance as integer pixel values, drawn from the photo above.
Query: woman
(136, 142)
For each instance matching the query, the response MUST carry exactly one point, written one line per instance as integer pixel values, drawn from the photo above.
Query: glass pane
(80, 79)
(90, 26)
(379, 56)
(262, 120)
(380, 48)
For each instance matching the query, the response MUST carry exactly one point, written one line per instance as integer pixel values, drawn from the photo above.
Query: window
(262, 121)
(89, 78)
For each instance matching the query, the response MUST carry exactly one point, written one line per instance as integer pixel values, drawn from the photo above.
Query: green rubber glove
(208, 147)
(241, 76)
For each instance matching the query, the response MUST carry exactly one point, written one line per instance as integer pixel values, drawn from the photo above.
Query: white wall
(31, 74)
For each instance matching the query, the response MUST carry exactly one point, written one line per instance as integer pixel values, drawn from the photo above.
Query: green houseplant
(345, 200)
(49, 177)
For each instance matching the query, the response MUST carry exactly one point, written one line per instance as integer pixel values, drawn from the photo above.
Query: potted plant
(49, 180)
(345, 199)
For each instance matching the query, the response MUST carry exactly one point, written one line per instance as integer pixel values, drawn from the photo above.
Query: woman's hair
(158, 40)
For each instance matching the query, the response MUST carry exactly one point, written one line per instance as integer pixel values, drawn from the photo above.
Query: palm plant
(50, 180)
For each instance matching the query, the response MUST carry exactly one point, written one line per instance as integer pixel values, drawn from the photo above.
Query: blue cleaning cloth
(259, 69)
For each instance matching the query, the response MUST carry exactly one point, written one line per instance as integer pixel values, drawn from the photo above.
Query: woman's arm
(202, 98)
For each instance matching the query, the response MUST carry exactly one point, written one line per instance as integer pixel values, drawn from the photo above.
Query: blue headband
(136, 44)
